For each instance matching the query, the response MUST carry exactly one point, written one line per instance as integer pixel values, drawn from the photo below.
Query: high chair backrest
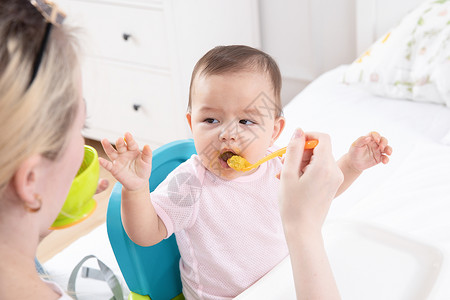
(152, 271)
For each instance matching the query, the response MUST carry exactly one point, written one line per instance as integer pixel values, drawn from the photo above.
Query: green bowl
(79, 204)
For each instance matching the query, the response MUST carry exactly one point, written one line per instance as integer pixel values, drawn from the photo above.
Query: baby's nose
(230, 132)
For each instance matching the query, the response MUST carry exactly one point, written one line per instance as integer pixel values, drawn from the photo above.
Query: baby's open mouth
(226, 155)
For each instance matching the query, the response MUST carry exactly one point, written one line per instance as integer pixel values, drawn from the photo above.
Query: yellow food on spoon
(241, 164)
(238, 163)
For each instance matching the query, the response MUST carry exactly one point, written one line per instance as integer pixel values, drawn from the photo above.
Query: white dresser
(139, 55)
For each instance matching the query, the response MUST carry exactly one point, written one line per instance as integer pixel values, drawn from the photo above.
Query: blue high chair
(150, 272)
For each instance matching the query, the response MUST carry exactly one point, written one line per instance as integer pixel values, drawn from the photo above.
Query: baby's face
(233, 112)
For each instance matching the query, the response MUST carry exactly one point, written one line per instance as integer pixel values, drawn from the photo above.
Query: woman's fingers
(301, 158)
(306, 159)
(294, 155)
(102, 185)
(308, 196)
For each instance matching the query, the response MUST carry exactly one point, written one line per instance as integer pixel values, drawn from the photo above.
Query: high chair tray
(368, 262)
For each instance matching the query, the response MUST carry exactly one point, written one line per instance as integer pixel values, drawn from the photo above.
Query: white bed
(388, 236)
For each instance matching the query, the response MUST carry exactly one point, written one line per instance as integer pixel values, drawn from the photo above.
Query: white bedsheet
(388, 236)
(414, 130)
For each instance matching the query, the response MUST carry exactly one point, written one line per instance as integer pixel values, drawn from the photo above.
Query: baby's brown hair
(236, 58)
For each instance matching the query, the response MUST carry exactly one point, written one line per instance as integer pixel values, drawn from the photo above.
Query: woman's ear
(25, 181)
(188, 117)
(278, 127)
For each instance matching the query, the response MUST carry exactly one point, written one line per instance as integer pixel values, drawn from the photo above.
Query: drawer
(122, 98)
(129, 34)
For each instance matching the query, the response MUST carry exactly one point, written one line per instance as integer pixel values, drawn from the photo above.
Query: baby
(226, 222)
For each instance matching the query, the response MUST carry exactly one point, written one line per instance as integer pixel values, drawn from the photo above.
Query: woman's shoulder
(36, 288)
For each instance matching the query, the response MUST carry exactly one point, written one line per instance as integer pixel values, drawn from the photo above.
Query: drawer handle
(126, 36)
(136, 107)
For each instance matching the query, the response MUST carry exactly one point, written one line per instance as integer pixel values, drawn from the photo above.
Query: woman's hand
(102, 185)
(309, 181)
(130, 166)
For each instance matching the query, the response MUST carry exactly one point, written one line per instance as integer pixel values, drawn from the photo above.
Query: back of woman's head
(35, 114)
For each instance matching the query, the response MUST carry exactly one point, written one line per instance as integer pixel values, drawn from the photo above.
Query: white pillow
(413, 60)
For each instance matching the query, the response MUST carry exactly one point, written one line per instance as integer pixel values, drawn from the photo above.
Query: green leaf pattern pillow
(413, 60)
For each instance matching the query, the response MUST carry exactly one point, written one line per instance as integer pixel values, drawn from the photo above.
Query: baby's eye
(211, 121)
(246, 122)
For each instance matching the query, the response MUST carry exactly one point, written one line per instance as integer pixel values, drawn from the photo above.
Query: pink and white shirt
(229, 232)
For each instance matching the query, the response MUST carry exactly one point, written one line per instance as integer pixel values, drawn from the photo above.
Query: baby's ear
(278, 127)
(188, 117)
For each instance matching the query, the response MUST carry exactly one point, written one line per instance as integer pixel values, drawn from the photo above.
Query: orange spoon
(241, 164)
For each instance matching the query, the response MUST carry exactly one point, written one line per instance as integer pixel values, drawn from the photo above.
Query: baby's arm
(350, 174)
(132, 169)
(367, 151)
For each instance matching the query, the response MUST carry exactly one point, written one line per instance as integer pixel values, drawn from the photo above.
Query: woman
(42, 114)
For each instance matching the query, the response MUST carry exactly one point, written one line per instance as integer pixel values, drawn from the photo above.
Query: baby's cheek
(208, 160)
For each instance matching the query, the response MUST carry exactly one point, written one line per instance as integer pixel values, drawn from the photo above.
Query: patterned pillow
(413, 60)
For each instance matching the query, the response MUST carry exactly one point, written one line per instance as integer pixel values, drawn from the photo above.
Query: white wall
(307, 38)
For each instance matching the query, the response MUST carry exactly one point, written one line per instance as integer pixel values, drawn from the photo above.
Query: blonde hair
(236, 58)
(34, 119)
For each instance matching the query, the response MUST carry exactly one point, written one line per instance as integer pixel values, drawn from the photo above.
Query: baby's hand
(368, 151)
(130, 166)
